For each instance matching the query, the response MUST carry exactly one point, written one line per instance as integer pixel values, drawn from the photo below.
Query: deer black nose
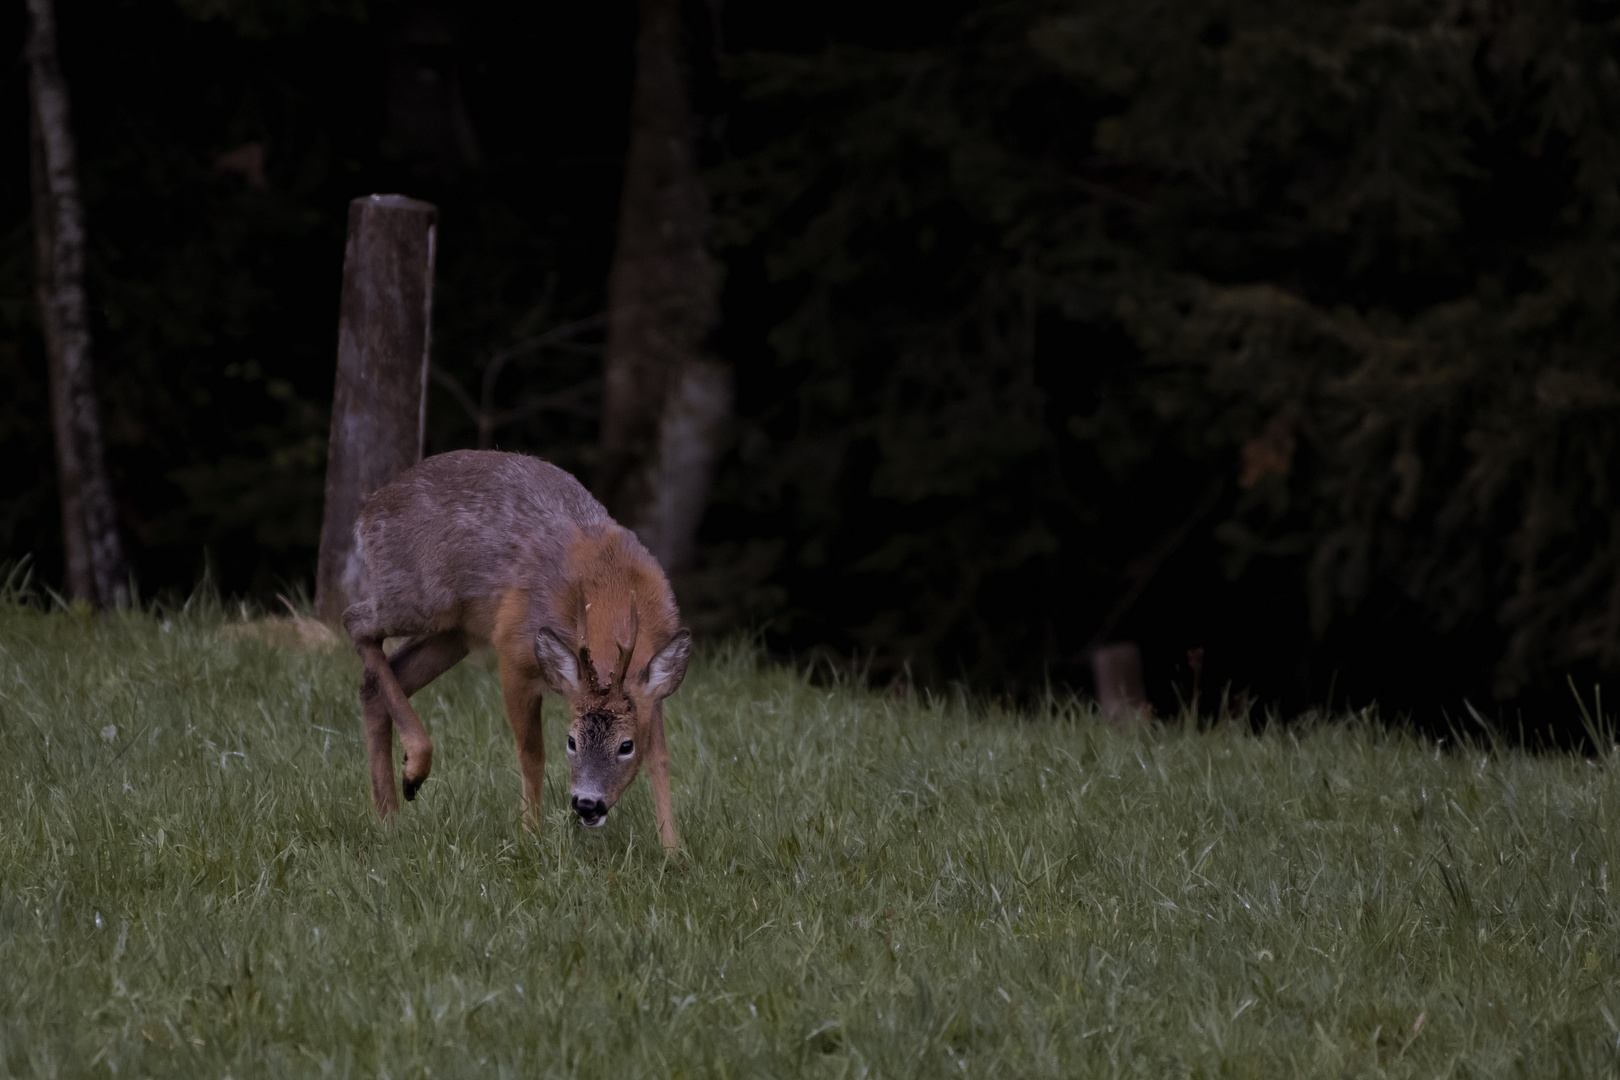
(590, 811)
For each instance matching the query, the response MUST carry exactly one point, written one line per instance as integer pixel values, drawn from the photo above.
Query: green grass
(192, 883)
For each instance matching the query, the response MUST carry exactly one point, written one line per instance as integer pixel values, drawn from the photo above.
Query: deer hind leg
(422, 659)
(412, 735)
(379, 741)
(415, 664)
(658, 777)
(521, 689)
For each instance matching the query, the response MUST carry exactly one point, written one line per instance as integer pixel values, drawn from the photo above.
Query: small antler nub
(585, 664)
(625, 652)
(589, 670)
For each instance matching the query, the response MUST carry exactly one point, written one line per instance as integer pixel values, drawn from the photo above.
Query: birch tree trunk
(95, 557)
(665, 403)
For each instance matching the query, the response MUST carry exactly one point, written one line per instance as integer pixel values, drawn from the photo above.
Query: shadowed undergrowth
(192, 882)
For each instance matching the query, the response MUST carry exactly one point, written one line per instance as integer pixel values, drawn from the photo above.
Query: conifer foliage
(1351, 267)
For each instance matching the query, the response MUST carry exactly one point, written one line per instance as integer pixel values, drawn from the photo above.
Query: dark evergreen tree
(1321, 293)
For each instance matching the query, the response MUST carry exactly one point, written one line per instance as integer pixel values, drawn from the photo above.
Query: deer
(486, 548)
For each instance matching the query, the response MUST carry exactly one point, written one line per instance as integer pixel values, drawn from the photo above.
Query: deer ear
(668, 666)
(558, 664)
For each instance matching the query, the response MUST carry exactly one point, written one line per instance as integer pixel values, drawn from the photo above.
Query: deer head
(607, 732)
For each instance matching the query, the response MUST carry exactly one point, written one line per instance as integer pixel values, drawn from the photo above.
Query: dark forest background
(1287, 331)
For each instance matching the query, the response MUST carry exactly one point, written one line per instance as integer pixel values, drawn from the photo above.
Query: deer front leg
(658, 777)
(412, 735)
(521, 690)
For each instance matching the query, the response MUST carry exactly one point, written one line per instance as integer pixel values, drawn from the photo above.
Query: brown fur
(480, 547)
(613, 591)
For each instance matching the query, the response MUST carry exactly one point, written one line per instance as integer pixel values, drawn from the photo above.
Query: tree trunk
(379, 400)
(96, 571)
(665, 402)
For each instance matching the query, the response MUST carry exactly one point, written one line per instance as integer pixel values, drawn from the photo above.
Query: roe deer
(483, 547)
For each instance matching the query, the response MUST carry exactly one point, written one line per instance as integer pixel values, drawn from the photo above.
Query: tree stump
(379, 402)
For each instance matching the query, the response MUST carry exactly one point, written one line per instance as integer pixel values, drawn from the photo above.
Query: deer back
(440, 546)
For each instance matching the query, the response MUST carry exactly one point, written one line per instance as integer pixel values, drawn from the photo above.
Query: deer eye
(626, 748)
(570, 743)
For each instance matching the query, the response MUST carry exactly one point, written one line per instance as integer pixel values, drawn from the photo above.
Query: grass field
(192, 883)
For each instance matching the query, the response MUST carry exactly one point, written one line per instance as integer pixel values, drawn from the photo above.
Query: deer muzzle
(591, 811)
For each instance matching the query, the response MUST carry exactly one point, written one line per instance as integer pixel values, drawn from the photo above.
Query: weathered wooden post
(379, 404)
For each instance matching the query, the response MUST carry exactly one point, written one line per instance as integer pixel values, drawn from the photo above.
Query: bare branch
(446, 380)
(569, 401)
(574, 399)
(557, 337)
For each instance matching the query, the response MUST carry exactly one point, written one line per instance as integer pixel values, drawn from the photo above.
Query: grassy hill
(192, 883)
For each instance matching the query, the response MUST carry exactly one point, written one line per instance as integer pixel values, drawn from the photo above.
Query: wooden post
(1117, 670)
(379, 403)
